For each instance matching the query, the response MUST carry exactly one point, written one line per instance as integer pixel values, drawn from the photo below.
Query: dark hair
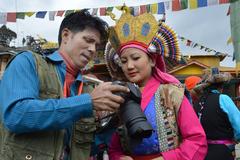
(79, 20)
(216, 86)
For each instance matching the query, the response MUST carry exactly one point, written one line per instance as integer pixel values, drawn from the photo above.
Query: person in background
(190, 82)
(135, 54)
(47, 107)
(218, 115)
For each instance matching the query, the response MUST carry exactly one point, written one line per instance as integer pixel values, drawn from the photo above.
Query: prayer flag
(3, 18)
(60, 13)
(176, 5)
(212, 2)
(189, 42)
(41, 14)
(11, 17)
(29, 14)
(51, 15)
(229, 40)
(148, 8)
(184, 4)
(102, 11)
(136, 10)
(161, 8)
(109, 9)
(223, 1)
(193, 4)
(94, 11)
(202, 3)
(20, 15)
(154, 8)
(143, 9)
(235, 30)
(131, 10)
(68, 12)
(167, 5)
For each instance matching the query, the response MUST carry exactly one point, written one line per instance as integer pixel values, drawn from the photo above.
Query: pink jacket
(193, 145)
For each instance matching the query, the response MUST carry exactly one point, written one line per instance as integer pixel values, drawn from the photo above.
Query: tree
(6, 36)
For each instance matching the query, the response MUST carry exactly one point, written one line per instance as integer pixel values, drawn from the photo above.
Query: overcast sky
(208, 26)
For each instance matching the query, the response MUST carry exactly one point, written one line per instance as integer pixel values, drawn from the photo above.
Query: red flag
(176, 5)
(11, 17)
(189, 42)
(223, 1)
(102, 11)
(143, 9)
(60, 13)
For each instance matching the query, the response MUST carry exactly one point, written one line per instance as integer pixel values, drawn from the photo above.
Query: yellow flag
(193, 4)
(154, 8)
(229, 40)
(29, 14)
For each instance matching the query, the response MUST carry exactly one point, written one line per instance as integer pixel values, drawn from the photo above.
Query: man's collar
(55, 57)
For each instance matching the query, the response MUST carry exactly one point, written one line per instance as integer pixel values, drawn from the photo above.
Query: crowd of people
(50, 111)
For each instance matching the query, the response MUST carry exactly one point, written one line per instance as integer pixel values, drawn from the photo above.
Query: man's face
(80, 46)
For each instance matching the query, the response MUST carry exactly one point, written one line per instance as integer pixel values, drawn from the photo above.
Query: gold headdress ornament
(146, 31)
(129, 28)
(143, 30)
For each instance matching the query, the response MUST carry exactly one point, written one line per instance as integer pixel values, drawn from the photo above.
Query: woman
(218, 115)
(140, 44)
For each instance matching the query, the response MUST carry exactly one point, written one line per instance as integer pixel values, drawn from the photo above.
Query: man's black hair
(79, 20)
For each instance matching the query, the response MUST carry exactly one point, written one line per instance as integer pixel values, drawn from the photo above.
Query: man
(190, 82)
(45, 109)
(218, 115)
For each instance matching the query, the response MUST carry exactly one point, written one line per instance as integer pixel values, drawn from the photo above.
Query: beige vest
(48, 145)
(168, 99)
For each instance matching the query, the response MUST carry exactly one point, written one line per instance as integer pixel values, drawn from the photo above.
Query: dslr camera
(130, 112)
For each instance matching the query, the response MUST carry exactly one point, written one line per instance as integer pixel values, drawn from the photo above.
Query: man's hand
(103, 96)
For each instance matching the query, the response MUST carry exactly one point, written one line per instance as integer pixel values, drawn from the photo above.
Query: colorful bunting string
(192, 44)
(156, 8)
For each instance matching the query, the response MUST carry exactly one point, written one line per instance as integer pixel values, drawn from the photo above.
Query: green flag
(184, 4)
(20, 15)
(235, 30)
(68, 12)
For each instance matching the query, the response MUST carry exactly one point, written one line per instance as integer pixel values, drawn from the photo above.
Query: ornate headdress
(142, 30)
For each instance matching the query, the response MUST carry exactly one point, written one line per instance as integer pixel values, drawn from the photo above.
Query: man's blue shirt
(21, 109)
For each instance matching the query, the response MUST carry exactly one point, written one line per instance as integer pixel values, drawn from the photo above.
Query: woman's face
(136, 65)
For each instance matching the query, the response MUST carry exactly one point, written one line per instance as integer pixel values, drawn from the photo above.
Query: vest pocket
(12, 152)
(84, 132)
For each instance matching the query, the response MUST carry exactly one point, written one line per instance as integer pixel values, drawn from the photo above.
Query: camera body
(130, 112)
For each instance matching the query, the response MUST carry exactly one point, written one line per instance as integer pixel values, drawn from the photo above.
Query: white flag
(51, 15)
(3, 18)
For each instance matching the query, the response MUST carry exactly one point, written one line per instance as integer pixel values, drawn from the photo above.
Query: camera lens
(131, 114)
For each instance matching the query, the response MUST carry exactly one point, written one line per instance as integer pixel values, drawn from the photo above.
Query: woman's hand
(126, 158)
